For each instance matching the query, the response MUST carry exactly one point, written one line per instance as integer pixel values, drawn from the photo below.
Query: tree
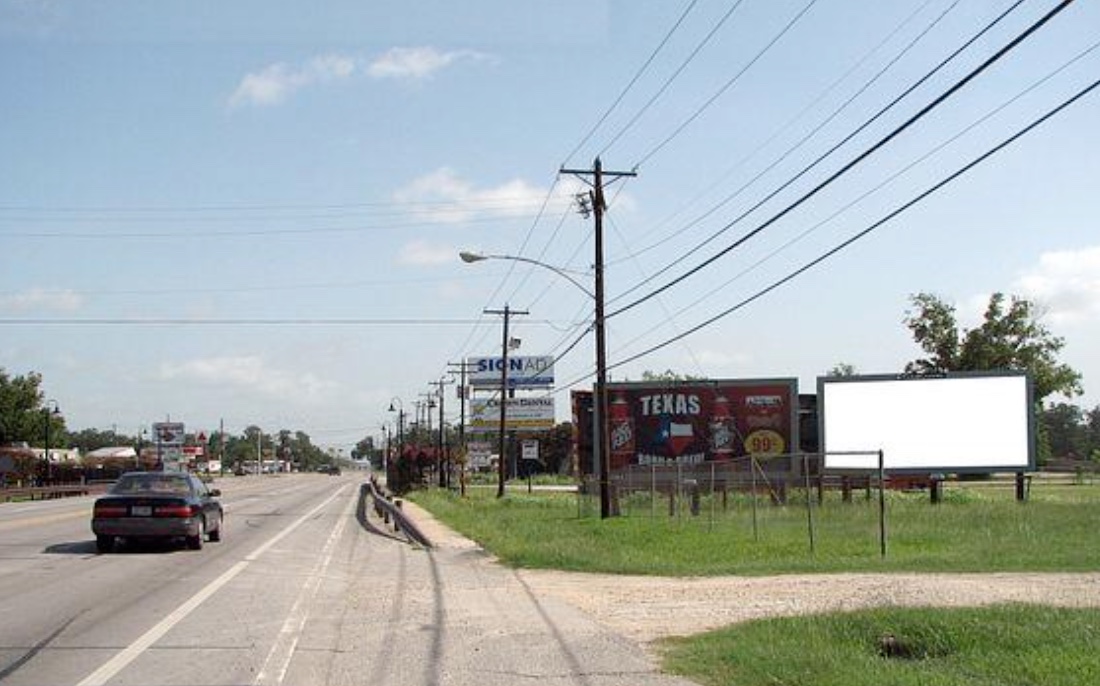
(668, 375)
(842, 369)
(1010, 337)
(23, 412)
(1065, 430)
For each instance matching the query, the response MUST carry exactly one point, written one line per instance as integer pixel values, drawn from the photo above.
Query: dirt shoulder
(646, 608)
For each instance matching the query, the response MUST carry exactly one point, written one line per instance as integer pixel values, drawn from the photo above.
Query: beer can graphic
(622, 431)
(721, 429)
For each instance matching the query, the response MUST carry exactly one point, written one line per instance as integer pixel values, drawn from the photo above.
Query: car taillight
(103, 511)
(175, 511)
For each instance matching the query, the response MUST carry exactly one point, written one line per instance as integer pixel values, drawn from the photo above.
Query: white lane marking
(131, 652)
(278, 658)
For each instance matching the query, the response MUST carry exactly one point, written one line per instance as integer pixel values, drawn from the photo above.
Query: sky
(250, 213)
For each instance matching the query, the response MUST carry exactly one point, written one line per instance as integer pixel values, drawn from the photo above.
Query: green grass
(1006, 645)
(975, 529)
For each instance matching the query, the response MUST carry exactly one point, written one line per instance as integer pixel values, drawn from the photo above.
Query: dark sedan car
(157, 505)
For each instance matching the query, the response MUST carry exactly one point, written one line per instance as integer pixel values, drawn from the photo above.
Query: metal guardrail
(49, 492)
(389, 509)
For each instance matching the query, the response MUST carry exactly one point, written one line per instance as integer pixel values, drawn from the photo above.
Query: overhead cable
(867, 231)
(959, 85)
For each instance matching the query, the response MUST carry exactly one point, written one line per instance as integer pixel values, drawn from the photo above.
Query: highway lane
(300, 591)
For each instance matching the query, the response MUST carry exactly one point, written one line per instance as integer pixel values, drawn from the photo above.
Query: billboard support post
(881, 504)
(809, 500)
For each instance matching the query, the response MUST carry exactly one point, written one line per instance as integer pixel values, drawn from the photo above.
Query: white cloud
(455, 200)
(249, 373)
(1065, 284)
(275, 83)
(720, 361)
(425, 253)
(415, 63)
(39, 299)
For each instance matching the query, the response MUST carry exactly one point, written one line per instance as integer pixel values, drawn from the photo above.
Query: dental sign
(523, 372)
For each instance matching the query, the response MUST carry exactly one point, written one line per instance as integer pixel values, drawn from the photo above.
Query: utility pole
(462, 390)
(444, 464)
(603, 444)
(507, 312)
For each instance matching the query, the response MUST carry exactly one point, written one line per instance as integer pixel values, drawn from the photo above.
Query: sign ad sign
(523, 372)
(520, 414)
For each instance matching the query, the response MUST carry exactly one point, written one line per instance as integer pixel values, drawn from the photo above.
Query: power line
(893, 177)
(782, 129)
(821, 158)
(867, 231)
(275, 321)
(853, 162)
(634, 80)
(726, 86)
(668, 82)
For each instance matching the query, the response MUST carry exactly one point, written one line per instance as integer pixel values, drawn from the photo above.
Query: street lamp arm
(471, 257)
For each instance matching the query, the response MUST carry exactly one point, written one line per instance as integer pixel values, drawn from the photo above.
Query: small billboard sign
(168, 433)
(520, 414)
(523, 371)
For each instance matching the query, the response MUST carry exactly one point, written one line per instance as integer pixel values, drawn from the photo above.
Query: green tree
(23, 413)
(668, 375)
(87, 440)
(1065, 430)
(1010, 337)
(842, 369)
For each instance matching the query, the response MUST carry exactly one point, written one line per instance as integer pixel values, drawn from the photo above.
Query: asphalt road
(301, 591)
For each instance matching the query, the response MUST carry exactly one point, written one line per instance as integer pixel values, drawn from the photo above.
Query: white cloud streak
(416, 63)
(275, 83)
(423, 253)
(40, 299)
(1065, 284)
(458, 200)
(249, 373)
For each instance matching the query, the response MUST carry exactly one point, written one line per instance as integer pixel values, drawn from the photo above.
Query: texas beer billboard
(691, 422)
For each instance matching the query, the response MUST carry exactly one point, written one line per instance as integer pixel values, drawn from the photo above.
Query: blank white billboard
(964, 423)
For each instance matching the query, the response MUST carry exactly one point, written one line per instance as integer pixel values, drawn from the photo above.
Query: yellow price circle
(765, 442)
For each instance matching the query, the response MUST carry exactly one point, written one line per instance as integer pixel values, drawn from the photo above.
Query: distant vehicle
(330, 469)
(157, 505)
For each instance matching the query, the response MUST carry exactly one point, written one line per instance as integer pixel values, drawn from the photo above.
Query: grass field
(977, 528)
(1000, 645)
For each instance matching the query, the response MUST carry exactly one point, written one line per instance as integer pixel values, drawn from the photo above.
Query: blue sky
(176, 176)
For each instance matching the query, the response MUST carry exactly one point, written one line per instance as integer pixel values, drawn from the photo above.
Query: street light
(400, 410)
(600, 396)
(471, 257)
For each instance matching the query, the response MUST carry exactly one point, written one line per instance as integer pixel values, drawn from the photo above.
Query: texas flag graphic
(675, 435)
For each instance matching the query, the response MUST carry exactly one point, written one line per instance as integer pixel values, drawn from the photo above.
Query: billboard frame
(931, 467)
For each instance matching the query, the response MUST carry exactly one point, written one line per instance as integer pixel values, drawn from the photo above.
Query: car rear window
(152, 483)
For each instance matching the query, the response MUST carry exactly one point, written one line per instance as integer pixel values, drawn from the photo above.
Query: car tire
(104, 544)
(216, 535)
(195, 542)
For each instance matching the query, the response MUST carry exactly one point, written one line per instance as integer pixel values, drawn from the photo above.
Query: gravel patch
(646, 608)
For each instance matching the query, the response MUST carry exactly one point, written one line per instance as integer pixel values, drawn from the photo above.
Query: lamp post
(600, 395)
(471, 257)
(140, 440)
(50, 413)
(400, 410)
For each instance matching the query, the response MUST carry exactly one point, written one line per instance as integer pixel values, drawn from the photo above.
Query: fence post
(752, 470)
